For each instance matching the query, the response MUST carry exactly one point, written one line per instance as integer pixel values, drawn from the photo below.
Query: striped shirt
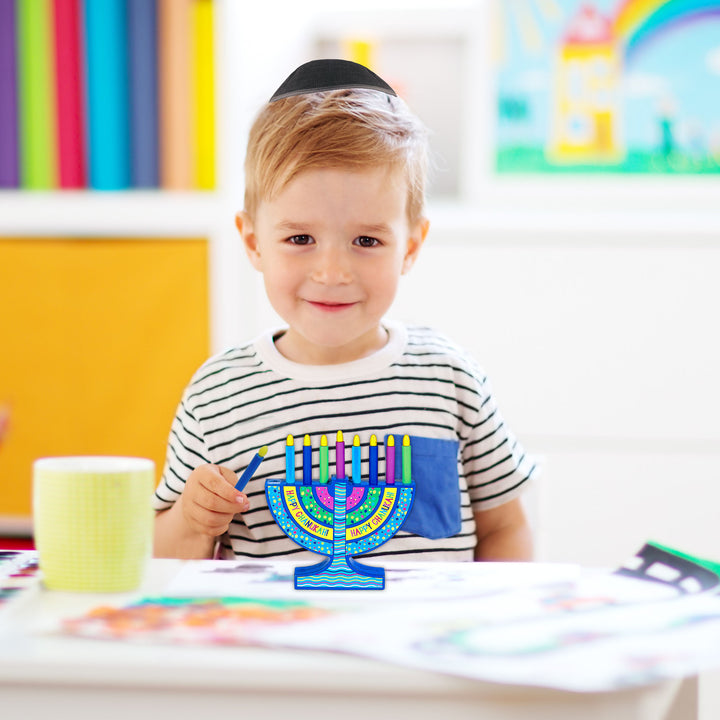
(419, 383)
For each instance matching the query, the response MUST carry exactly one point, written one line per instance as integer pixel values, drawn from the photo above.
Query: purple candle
(339, 456)
(390, 460)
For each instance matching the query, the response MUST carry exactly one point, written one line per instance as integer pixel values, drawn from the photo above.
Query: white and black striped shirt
(419, 384)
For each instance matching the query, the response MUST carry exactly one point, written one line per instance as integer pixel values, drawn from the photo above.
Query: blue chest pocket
(436, 508)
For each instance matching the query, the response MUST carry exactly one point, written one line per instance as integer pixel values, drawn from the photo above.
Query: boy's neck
(294, 348)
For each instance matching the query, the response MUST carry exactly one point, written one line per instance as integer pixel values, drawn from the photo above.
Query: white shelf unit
(85, 213)
(172, 214)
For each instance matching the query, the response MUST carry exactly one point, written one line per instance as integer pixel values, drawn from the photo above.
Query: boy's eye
(366, 242)
(300, 240)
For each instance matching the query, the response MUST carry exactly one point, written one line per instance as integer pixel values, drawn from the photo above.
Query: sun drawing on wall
(628, 86)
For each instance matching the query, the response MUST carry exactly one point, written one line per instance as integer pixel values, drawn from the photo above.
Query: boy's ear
(415, 242)
(247, 232)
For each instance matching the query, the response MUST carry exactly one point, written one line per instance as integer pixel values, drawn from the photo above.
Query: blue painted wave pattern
(339, 580)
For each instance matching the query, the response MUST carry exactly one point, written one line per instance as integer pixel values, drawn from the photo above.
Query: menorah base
(339, 573)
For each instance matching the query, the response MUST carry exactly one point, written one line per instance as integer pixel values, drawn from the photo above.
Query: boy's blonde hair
(349, 128)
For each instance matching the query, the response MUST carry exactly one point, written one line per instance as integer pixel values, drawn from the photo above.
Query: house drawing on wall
(586, 122)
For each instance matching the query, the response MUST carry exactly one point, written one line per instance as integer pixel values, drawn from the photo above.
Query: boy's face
(332, 247)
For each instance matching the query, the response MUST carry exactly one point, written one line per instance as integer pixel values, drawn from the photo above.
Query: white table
(43, 673)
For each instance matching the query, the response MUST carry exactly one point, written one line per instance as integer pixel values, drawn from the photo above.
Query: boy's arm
(503, 533)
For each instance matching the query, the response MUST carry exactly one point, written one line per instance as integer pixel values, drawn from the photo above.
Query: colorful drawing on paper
(212, 621)
(555, 626)
(626, 86)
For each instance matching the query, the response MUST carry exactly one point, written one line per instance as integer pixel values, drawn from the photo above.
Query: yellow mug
(93, 521)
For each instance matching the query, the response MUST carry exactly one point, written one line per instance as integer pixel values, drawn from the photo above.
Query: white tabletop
(43, 671)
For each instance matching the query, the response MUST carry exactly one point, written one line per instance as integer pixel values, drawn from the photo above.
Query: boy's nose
(331, 267)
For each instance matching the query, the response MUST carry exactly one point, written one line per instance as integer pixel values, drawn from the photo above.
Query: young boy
(335, 175)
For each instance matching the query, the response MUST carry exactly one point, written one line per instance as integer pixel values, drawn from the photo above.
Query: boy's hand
(210, 500)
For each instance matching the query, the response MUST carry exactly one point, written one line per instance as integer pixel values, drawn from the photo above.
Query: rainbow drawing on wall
(615, 98)
(640, 21)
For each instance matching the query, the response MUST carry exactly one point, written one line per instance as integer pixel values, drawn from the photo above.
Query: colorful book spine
(107, 94)
(69, 93)
(203, 95)
(36, 92)
(142, 33)
(9, 171)
(175, 95)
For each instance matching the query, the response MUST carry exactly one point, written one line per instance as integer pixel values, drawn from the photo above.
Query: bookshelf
(159, 213)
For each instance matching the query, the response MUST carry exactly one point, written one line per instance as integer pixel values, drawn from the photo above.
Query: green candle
(406, 461)
(323, 459)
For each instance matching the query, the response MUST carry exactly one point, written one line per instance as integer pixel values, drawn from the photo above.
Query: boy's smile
(332, 246)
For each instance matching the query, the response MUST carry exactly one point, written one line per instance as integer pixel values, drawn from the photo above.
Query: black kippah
(321, 75)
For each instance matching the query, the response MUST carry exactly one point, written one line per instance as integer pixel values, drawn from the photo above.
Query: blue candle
(290, 460)
(307, 461)
(356, 476)
(373, 460)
